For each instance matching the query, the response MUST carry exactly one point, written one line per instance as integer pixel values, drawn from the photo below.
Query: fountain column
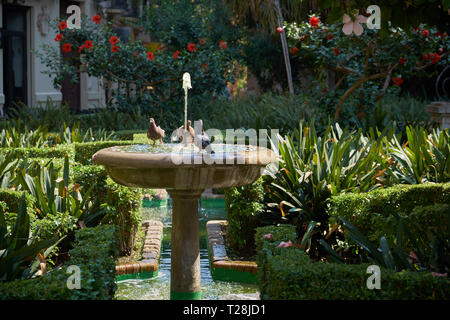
(185, 256)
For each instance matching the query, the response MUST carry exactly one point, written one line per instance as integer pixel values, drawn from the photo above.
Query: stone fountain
(185, 173)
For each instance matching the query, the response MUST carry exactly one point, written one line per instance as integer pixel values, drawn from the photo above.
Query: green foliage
(313, 168)
(59, 207)
(123, 203)
(137, 68)
(397, 258)
(372, 212)
(59, 151)
(18, 247)
(423, 158)
(14, 138)
(12, 199)
(243, 205)
(95, 253)
(85, 151)
(403, 14)
(288, 273)
(369, 66)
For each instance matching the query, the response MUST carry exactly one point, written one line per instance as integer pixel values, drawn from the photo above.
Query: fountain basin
(163, 169)
(185, 173)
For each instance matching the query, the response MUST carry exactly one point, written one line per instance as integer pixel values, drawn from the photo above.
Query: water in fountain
(158, 288)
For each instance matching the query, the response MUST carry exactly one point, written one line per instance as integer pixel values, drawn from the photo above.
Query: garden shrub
(371, 212)
(59, 151)
(288, 273)
(11, 199)
(85, 151)
(243, 204)
(124, 202)
(94, 253)
(128, 134)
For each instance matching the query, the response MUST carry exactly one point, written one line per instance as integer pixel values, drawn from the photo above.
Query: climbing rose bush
(149, 76)
(368, 65)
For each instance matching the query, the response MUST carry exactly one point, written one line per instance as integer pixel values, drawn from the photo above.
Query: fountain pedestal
(185, 257)
(184, 175)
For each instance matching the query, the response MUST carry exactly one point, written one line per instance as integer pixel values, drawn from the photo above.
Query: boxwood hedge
(85, 151)
(288, 273)
(371, 212)
(58, 151)
(95, 252)
(124, 202)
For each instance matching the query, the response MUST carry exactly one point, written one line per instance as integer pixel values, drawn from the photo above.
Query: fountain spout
(186, 86)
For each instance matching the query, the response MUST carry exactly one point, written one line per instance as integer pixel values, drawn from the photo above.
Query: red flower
(280, 30)
(176, 54)
(88, 44)
(314, 22)
(81, 48)
(96, 18)
(113, 40)
(336, 51)
(397, 81)
(402, 60)
(150, 56)
(160, 47)
(62, 25)
(330, 36)
(191, 47)
(135, 53)
(67, 47)
(434, 57)
(202, 41)
(444, 35)
(425, 32)
(425, 57)
(114, 48)
(204, 66)
(223, 45)
(293, 51)
(58, 37)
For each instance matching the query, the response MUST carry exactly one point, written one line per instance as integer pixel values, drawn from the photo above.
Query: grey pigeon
(203, 141)
(154, 132)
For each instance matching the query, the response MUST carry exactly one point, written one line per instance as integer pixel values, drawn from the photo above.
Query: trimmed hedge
(59, 151)
(12, 199)
(243, 204)
(85, 151)
(371, 212)
(125, 202)
(128, 134)
(94, 253)
(288, 273)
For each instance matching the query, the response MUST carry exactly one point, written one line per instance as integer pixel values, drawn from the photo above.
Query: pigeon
(155, 133)
(203, 141)
(180, 132)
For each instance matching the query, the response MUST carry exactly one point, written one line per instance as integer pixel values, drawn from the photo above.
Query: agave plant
(18, 248)
(75, 134)
(52, 198)
(422, 158)
(13, 137)
(313, 168)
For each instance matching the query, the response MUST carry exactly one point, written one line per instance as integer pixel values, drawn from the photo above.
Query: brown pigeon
(179, 134)
(155, 133)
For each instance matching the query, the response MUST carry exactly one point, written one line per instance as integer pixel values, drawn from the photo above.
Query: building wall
(40, 86)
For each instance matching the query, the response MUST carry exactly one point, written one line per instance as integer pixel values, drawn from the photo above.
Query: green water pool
(158, 288)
